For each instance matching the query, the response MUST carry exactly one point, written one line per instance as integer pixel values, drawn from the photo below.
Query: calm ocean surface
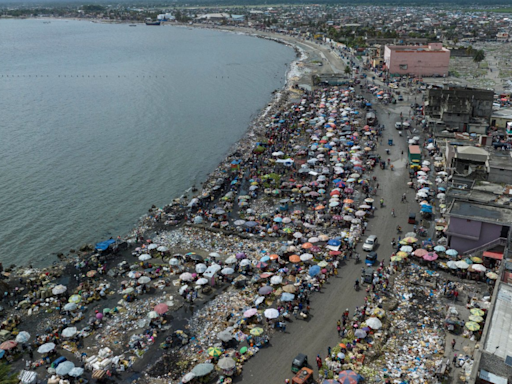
(98, 122)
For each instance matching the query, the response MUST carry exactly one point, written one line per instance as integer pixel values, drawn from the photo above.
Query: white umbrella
(462, 264)
(202, 281)
(69, 332)
(144, 280)
(76, 372)
(245, 262)
(45, 348)
(64, 368)
(144, 257)
(297, 235)
(201, 268)
(271, 313)
(153, 315)
(475, 267)
(70, 307)
(227, 271)
(58, 289)
(162, 248)
(152, 246)
(216, 254)
(230, 260)
(174, 262)
(275, 280)
(306, 257)
(22, 337)
(186, 276)
(406, 248)
(374, 323)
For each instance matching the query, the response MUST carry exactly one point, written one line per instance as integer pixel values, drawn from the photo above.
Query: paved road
(272, 365)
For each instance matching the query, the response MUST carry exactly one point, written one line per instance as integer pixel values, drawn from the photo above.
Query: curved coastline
(279, 97)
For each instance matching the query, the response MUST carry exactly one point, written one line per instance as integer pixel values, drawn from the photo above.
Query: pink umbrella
(420, 252)
(250, 312)
(161, 308)
(99, 316)
(324, 270)
(431, 256)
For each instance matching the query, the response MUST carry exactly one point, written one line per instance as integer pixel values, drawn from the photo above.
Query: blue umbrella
(287, 296)
(250, 224)
(278, 219)
(264, 259)
(426, 209)
(452, 252)
(349, 377)
(314, 270)
(334, 242)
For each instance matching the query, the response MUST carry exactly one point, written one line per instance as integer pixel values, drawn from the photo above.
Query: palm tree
(347, 70)
(6, 376)
(479, 56)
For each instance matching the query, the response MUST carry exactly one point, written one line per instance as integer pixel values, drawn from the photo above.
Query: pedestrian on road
(454, 360)
(329, 351)
(453, 344)
(319, 361)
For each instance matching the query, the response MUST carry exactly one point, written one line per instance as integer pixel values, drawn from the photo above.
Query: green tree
(479, 56)
(347, 70)
(6, 376)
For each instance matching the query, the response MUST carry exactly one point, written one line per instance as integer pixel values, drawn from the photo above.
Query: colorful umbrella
(349, 377)
(214, 351)
(161, 308)
(472, 326)
(257, 331)
(476, 319)
(477, 312)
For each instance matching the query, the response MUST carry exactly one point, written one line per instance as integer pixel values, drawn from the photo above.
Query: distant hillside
(470, 4)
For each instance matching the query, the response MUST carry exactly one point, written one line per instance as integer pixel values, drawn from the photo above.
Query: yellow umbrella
(322, 264)
(492, 275)
(396, 258)
(256, 331)
(75, 299)
(477, 312)
(379, 312)
(214, 351)
(476, 260)
(472, 326)
(410, 240)
(402, 254)
(476, 319)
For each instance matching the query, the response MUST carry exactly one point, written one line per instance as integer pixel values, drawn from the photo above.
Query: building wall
(485, 232)
(497, 175)
(419, 63)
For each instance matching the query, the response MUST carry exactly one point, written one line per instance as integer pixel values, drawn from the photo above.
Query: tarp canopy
(102, 246)
(493, 255)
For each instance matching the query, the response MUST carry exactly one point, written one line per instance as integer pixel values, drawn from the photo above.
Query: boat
(133, 25)
(152, 22)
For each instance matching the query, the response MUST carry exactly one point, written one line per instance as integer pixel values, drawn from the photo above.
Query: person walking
(453, 344)
(318, 361)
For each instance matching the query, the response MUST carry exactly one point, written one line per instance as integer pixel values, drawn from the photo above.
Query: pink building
(425, 60)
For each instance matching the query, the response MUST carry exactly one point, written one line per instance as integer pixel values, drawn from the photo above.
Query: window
(403, 66)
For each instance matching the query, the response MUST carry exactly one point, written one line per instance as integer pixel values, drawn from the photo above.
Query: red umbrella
(6, 345)
(161, 308)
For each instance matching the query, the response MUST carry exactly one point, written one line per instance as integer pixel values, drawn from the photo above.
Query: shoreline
(279, 96)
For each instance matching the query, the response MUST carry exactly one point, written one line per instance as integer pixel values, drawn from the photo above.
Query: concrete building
(500, 168)
(459, 109)
(503, 119)
(473, 225)
(425, 60)
(467, 161)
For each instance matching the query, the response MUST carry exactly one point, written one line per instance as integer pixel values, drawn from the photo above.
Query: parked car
(400, 98)
(398, 125)
(370, 243)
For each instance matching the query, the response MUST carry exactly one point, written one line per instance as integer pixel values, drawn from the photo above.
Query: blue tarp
(104, 245)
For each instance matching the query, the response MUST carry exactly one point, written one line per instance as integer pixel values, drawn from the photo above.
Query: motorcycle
(358, 259)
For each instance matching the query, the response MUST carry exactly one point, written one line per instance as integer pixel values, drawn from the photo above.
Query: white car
(398, 125)
(369, 244)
